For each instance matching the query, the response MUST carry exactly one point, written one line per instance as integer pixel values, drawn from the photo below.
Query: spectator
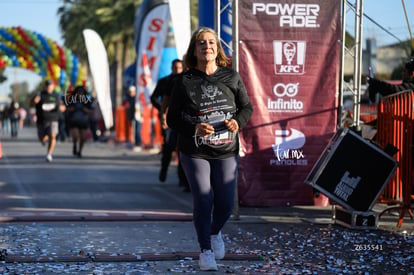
(161, 94)
(134, 118)
(14, 118)
(376, 86)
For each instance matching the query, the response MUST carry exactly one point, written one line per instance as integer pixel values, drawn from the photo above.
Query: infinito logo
(281, 90)
(287, 148)
(290, 89)
(289, 57)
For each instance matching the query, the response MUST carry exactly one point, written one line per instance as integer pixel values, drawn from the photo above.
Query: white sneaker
(217, 245)
(207, 261)
(49, 158)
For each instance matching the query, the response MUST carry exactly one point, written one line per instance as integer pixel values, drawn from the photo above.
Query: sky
(390, 15)
(41, 16)
(35, 15)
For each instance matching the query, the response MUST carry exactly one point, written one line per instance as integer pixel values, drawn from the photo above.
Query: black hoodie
(198, 97)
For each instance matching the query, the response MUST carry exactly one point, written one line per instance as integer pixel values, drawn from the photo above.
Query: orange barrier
(151, 134)
(120, 123)
(123, 128)
(395, 127)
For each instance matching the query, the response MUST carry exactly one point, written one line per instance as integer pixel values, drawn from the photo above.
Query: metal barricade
(395, 127)
(368, 113)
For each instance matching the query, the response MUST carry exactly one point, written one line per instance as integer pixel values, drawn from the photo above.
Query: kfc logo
(289, 57)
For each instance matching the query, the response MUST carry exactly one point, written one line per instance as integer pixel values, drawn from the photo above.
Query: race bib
(48, 106)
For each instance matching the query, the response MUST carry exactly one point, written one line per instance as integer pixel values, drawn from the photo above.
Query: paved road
(107, 179)
(107, 214)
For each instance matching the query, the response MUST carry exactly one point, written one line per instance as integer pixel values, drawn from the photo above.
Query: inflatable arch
(29, 50)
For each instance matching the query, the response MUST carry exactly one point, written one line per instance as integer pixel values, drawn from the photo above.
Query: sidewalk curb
(105, 257)
(48, 217)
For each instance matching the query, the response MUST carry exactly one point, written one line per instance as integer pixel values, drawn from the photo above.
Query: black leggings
(212, 183)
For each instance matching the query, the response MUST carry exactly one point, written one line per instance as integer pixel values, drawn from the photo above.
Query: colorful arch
(30, 50)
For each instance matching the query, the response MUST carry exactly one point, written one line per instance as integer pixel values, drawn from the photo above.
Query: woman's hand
(231, 125)
(204, 129)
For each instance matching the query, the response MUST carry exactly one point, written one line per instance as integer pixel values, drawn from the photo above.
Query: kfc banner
(289, 61)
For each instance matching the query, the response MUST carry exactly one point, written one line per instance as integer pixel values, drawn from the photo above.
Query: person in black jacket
(384, 88)
(133, 119)
(208, 107)
(163, 88)
(376, 86)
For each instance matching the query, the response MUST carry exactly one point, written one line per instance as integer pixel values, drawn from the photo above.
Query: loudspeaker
(352, 171)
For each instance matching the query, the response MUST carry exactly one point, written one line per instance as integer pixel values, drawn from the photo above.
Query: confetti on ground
(281, 248)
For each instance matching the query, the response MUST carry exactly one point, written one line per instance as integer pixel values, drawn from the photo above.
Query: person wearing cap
(376, 86)
(48, 105)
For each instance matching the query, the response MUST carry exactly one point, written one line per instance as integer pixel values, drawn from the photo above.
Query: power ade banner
(289, 61)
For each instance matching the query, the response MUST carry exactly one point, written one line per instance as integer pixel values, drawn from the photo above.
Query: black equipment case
(352, 171)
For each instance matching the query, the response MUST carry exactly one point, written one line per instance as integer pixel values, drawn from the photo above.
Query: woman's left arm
(243, 104)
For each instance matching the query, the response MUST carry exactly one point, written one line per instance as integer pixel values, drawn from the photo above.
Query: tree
(2, 76)
(20, 93)
(112, 19)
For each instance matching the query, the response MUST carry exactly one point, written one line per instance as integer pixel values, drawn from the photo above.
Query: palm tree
(113, 20)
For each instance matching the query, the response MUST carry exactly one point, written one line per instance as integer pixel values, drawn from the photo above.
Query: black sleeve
(378, 86)
(178, 100)
(59, 102)
(155, 97)
(244, 106)
(160, 90)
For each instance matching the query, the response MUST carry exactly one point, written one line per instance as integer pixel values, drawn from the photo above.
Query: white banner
(180, 17)
(98, 63)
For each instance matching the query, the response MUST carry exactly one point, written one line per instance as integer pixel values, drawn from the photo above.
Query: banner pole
(235, 65)
(358, 62)
(341, 83)
(408, 24)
